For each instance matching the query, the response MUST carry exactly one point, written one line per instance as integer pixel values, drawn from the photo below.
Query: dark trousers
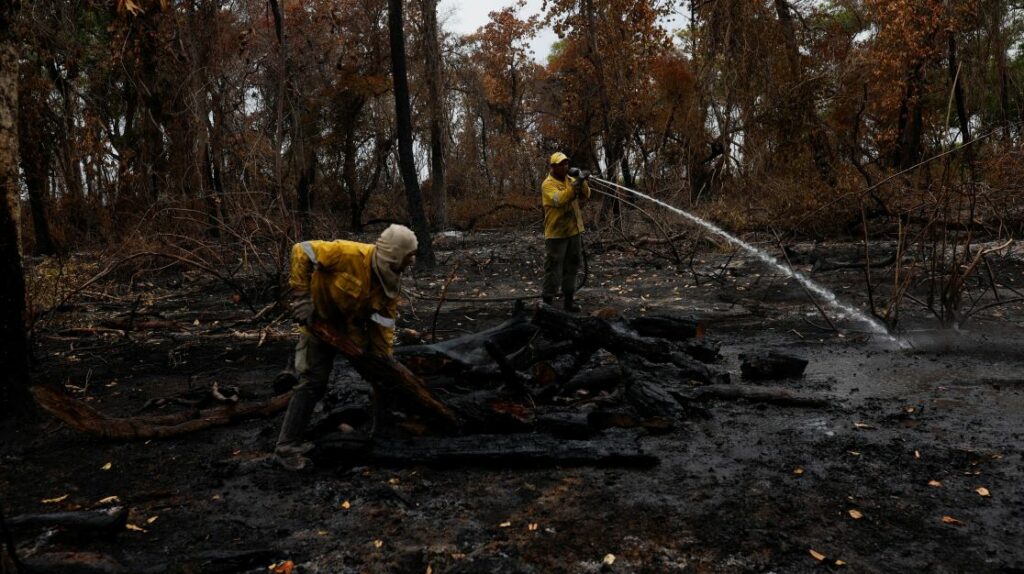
(561, 264)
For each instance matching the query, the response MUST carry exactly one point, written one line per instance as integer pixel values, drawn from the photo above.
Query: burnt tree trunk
(435, 97)
(961, 105)
(14, 396)
(817, 139)
(403, 117)
(32, 146)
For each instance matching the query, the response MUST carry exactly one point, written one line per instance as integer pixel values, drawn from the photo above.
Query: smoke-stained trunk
(403, 118)
(817, 138)
(32, 147)
(14, 396)
(955, 76)
(436, 105)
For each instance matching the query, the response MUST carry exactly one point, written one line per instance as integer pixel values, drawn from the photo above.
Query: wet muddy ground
(915, 467)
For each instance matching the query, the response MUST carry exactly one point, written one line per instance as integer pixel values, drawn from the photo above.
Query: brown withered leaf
(816, 555)
(953, 521)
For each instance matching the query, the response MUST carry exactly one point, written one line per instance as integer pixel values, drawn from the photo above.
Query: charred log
(750, 393)
(92, 522)
(771, 365)
(671, 327)
(492, 451)
(84, 418)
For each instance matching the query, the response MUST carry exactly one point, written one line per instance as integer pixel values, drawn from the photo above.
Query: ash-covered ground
(914, 467)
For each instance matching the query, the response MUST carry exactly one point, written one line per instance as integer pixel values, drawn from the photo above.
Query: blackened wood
(750, 393)
(591, 380)
(693, 370)
(100, 522)
(704, 350)
(493, 451)
(14, 348)
(72, 563)
(569, 425)
(511, 337)
(83, 418)
(671, 327)
(769, 365)
(403, 120)
(508, 371)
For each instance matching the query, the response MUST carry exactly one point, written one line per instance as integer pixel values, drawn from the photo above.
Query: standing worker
(563, 226)
(353, 287)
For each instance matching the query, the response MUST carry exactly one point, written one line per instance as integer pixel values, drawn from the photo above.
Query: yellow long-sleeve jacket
(345, 292)
(562, 216)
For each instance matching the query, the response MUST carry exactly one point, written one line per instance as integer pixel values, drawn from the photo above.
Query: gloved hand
(580, 174)
(301, 306)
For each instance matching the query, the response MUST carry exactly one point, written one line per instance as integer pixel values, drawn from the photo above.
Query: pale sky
(466, 16)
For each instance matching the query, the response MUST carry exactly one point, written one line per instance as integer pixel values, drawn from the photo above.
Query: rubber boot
(290, 447)
(568, 303)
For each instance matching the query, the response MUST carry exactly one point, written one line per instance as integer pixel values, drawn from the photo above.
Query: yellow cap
(558, 157)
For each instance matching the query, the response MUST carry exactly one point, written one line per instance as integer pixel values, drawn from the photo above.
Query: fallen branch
(99, 522)
(84, 418)
(494, 451)
(748, 393)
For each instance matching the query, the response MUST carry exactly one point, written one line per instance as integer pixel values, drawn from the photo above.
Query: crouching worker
(353, 287)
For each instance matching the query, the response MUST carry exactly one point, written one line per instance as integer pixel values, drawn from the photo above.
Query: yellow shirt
(345, 291)
(562, 216)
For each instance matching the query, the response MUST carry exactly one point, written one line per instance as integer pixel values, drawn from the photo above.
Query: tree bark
(435, 96)
(32, 146)
(403, 118)
(955, 76)
(14, 396)
(817, 139)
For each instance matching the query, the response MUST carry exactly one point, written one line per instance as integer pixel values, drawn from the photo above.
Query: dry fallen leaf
(322, 532)
(346, 505)
(378, 544)
(532, 526)
(861, 425)
(856, 514)
(917, 454)
(107, 500)
(798, 470)
(817, 555)
(935, 483)
(430, 569)
(393, 481)
(505, 524)
(951, 520)
(107, 466)
(151, 519)
(840, 563)
(134, 527)
(54, 500)
(982, 491)
(608, 559)
(285, 567)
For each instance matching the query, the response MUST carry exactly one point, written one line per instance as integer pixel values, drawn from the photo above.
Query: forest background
(214, 133)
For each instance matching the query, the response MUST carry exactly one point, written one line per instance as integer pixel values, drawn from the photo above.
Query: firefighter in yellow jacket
(563, 224)
(354, 287)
